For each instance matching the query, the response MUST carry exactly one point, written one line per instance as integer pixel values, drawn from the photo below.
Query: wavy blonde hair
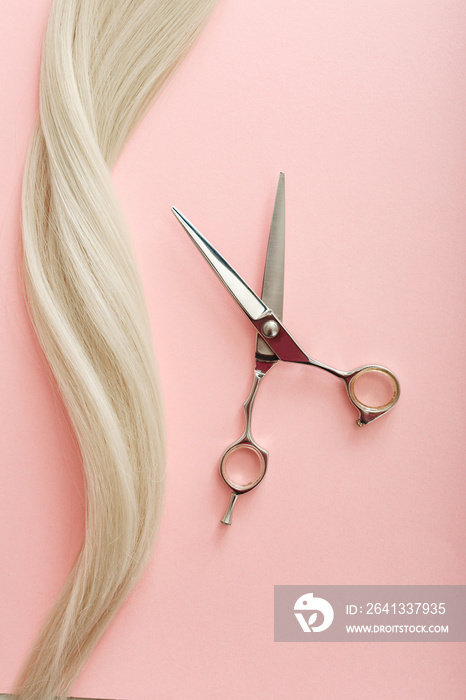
(103, 63)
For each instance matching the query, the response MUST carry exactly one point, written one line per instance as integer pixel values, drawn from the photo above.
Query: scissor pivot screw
(270, 329)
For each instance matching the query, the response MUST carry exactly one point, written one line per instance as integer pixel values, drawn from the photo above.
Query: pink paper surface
(362, 105)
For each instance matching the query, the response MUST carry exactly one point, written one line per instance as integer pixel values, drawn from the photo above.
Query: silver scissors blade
(251, 304)
(274, 270)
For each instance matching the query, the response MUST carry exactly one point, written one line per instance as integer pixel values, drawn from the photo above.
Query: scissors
(274, 342)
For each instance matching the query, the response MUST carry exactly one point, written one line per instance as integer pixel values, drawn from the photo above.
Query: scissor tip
(178, 214)
(189, 228)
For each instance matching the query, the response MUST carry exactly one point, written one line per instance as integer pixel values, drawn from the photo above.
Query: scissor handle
(244, 443)
(369, 413)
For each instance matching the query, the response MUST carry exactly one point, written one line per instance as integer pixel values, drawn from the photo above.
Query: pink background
(362, 105)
